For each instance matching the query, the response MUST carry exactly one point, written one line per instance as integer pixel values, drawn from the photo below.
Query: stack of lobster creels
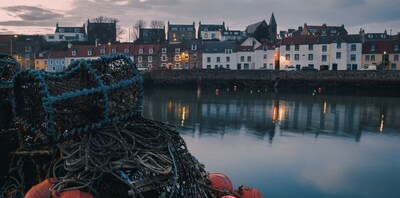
(81, 134)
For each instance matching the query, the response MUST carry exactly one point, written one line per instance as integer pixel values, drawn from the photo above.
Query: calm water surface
(289, 145)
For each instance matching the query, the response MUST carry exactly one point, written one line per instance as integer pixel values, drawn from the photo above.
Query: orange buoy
(40, 190)
(71, 194)
(228, 196)
(221, 184)
(247, 192)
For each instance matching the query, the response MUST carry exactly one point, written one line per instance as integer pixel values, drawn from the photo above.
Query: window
(228, 51)
(338, 45)
(208, 66)
(324, 48)
(51, 62)
(246, 66)
(89, 52)
(372, 47)
(102, 51)
(265, 56)
(396, 58)
(310, 57)
(61, 37)
(54, 69)
(28, 48)
(149, 59)
(74, 53)
(287, 47)
(61, 30)
(396, 47)
(208, 59)
(287, 57)
(51, 37)
(393, 66)
(227, 66)
(353, 47)
(310, 47)
(218, 59)
(62, 62)
(194, 47)
(45, 62)
(57, 62)
(372, 57)
(215, 66)
(353, 57)
(37, 62)
(338, 55)
(177, 57)
(164, 50)
(113, 51)
(151, 51)
(366, 57)
(323, 58)
(140, 51)
(228, 59)
(139, 59)
(126, 50)
(27, 56)
(242, 59)
(249, 59)
(296, 47)
(177, 50)
(77, 30)
(296, 57)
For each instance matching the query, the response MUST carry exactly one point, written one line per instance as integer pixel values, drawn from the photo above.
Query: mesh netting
(88, 95)
(8, 68)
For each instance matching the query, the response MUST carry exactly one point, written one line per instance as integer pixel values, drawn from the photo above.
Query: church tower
(272, 28)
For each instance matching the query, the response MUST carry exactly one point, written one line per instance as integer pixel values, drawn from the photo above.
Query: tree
(157, 24)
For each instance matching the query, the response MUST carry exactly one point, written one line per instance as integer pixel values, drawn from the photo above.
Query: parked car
(290, 68)
(308, 68)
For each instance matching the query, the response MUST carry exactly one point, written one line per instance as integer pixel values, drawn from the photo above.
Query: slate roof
(219, 46)
(211, 27)
(250, 29)
(299, 40)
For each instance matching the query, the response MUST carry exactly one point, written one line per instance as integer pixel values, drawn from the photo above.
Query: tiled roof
(302, 39)
(145, 49)
(267, 46)
(380, 47)
(5, 38)
(209, 27)
(57, 54)
(245, 49)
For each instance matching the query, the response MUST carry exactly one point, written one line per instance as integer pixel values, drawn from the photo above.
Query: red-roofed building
(266, 57)
(381, 54)
(146, 55)
(56, 61)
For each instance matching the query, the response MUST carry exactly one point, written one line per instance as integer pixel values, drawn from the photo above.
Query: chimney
(69, 45)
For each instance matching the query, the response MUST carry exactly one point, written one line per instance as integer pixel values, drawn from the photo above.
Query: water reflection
(266, 114)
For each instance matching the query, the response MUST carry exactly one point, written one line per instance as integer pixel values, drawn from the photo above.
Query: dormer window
(61, 30)
(89, 52)
(396, 47)
(373, 47)
(194, 46)
(164, 50)
(151, 51)
(113, 51)
(177, 50)
(126, 50)
(74, 53)
(77, 30)
(140, 51)
(102, 51)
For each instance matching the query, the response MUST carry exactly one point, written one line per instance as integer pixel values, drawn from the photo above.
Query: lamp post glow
(109, 48)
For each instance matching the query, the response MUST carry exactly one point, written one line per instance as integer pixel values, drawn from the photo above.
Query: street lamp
(11, 44)
(109, 48)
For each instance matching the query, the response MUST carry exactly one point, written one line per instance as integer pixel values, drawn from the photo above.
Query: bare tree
(157, 24)
(136, 27)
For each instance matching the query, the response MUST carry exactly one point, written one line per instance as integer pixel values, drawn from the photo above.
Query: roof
(211, 27)
(253, 27)
(298, 40)
(5, 38)
(267, 46)
(245, 49)
(380, 47)
(272, 20)
(219, 46)
(145, 48)
(58, 54)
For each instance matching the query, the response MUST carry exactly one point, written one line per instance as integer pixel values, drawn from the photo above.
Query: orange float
(247, 192)
(40, 190)
(71, 194)
(228, 196)
(221, 184)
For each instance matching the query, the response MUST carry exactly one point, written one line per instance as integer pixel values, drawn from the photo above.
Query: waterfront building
(25, 48)
(68, 34)
(220, 55)
(181, 33)
(77, 52)
(195, 50)
(266, 56)
(56, 61)
(211, 31)
(41, 60)
(146, 55)
(233, 35)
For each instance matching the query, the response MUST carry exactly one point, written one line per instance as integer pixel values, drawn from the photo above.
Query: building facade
(67, 34)
(181, 33)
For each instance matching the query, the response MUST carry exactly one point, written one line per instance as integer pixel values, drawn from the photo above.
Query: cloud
(32, 13)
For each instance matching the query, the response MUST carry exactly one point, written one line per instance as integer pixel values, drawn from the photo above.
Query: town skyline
(41, 16)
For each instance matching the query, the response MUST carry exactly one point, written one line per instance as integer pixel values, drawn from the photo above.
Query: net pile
(8, 68)
(82, 128)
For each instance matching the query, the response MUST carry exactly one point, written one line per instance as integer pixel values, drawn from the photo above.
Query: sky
(41, 16)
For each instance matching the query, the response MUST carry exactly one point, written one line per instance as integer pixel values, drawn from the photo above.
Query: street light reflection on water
(277, 141)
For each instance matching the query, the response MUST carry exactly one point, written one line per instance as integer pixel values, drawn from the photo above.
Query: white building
(265, 57)
(321, 52)
(219, 55)
(67, 34)
(210, 32)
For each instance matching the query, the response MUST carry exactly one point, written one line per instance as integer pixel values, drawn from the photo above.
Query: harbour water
(289, 144)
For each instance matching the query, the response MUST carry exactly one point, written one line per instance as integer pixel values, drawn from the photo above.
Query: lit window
(287, 56)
